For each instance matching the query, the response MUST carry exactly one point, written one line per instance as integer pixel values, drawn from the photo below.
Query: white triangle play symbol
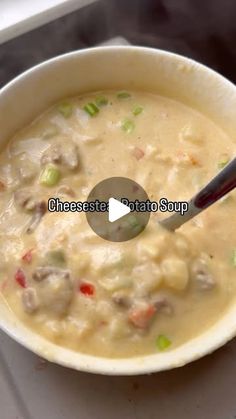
(117, 210)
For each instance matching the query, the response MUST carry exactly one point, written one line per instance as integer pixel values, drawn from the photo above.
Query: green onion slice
(222, 163)
(133, 221)
(91, 109)
(163, 342)
(137, 110)
(101, 101)
(50, 175)
(123, 95)
(65, 109)
(128, 126)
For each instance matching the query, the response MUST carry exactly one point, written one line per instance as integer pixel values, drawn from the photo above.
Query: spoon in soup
(218, 187)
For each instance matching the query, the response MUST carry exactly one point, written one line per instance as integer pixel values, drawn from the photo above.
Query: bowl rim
(116, 366)
(113, 48)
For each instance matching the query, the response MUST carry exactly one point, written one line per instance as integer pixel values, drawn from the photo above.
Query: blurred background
(204, 30)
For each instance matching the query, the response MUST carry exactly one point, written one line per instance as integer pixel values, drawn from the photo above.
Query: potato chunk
(148, 278)
(175, 273)
(190, 133)
(54, 287)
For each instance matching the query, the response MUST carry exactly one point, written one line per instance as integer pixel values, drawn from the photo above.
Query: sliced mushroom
(30, 300)
(24, 199)
(39, 210)
(121, 299)
(43, 272)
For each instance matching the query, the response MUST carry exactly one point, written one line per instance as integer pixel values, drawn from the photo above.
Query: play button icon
(118, 222)
(117, 210)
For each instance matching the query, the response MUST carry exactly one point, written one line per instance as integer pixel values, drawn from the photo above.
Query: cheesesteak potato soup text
(146, 295)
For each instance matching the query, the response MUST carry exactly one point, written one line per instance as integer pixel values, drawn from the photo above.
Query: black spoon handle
(219, 186)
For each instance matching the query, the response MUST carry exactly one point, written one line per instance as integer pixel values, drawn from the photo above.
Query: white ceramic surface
(118, 67)
(20, 16)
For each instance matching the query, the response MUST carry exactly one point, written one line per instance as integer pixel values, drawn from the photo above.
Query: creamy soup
(145, 295)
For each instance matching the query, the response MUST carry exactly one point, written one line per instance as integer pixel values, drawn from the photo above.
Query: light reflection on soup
(146, 295)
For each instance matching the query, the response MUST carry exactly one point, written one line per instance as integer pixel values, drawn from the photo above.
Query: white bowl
(120, 68)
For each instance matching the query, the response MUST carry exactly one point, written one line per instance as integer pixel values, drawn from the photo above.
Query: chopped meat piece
(121, 299)
(2, 186)
(138, 153)
(163, 305)
(43, 272)
(30, 300)
(201, 275)
(66, 190)
(52, 155)
(23, 199)
(65, 156)
(39, 210)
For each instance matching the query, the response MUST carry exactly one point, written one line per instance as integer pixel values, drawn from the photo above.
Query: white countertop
(30, 390)
(20, 16)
